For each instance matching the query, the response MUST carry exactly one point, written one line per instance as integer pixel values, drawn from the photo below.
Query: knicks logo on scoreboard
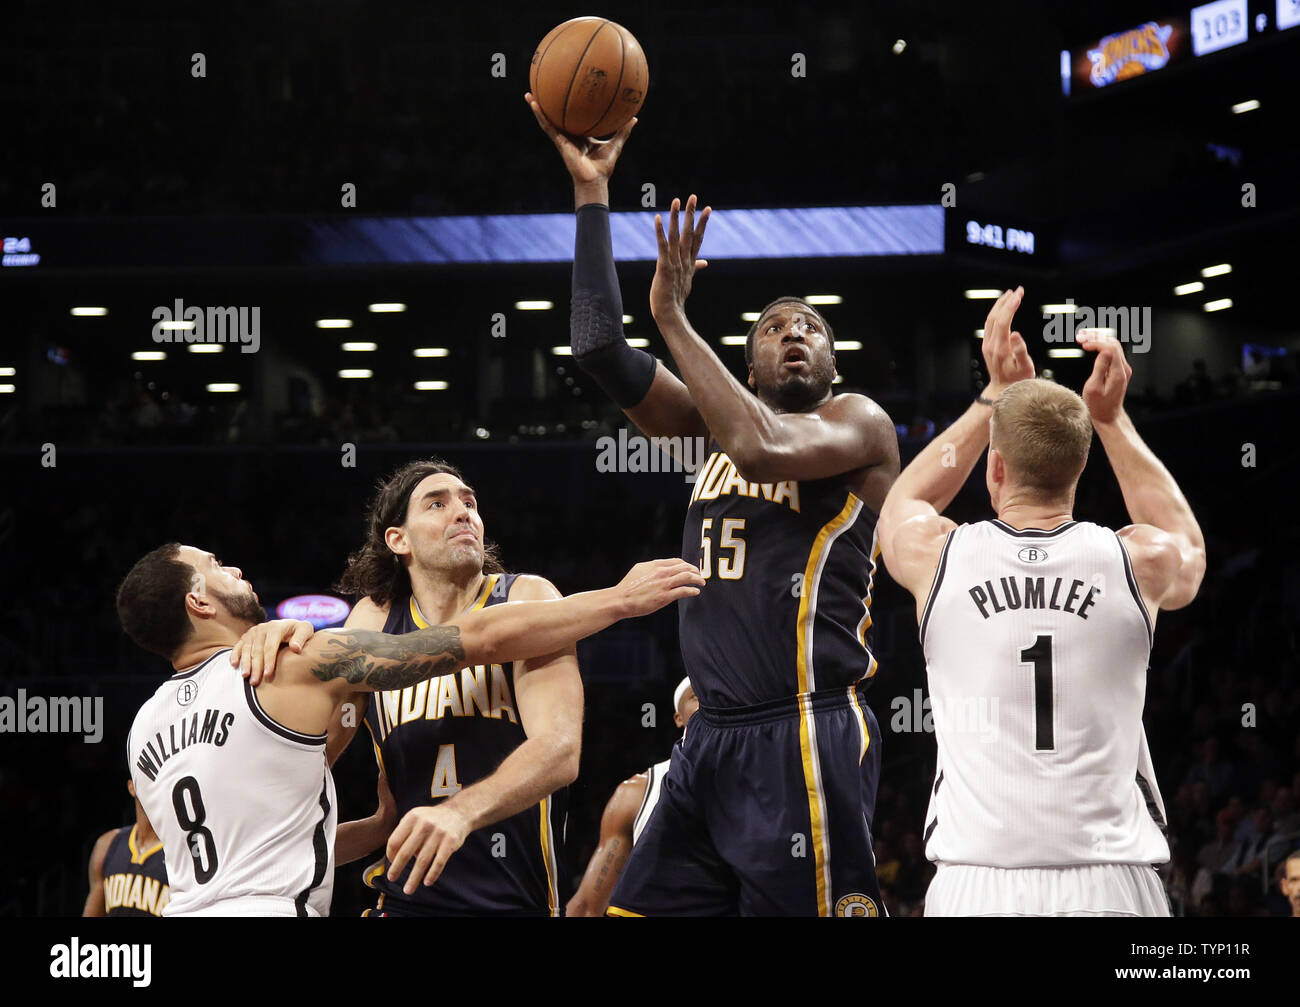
(1130, 53)
(1031, 554)
(856, 904)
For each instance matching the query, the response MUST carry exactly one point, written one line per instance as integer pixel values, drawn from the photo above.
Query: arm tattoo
(383, 661)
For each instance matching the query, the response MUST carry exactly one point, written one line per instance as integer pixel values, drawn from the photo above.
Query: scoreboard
(1151, 46)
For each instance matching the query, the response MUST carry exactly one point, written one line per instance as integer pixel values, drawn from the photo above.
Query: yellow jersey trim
(807, 729)
(137, 857)
(616, 911)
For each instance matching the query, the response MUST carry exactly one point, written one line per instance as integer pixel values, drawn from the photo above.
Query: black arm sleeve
(596, 315)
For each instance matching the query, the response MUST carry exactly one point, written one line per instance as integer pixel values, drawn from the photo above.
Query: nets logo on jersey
(856, 904)
(187, 693)
(1031, 554)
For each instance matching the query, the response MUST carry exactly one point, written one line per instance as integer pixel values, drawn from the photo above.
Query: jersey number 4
(729, 567)
(199, 841)
(1039, 654)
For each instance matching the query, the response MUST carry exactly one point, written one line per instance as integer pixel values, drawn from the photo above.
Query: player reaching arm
(770, 437)
(912, 528)
(1165, 542)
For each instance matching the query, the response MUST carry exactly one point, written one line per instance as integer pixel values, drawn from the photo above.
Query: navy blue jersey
(436, 737)
(135, 880)
(786, 606)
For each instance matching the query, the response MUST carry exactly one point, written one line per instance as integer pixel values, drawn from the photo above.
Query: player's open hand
(429, 836)
(1106, 386)
(589, 161)
(1005, 352)
(650, 586)
(678, 251)
(256, 652)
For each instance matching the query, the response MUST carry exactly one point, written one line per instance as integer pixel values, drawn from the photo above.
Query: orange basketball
(590, 76)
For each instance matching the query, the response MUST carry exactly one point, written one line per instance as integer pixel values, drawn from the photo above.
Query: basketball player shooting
(1040, 626)
(235, 778)
(777, 645)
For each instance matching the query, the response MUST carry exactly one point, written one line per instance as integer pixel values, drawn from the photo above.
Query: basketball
(589, 75)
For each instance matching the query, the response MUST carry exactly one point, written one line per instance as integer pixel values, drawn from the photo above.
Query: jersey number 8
(199, 841)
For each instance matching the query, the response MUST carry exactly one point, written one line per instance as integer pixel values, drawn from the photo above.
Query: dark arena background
(903, 161)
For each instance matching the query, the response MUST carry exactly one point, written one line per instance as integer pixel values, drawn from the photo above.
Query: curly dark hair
(376, 571)
(753, 329)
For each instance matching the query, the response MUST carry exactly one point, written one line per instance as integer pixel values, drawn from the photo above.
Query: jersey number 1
(199, 841)
(1040, 656)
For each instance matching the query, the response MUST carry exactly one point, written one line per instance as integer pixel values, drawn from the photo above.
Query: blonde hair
(1043, 433)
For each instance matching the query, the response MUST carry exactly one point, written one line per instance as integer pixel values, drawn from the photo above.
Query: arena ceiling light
(848, 344)
(223, 387)
(838, 379)
(734, 340)
(176, 326)
(638, 343)
(7, 372)
(534, 305)
(979, 333)
(1219, 305)
(387, 307)
(431, 386)
(334, 323)
(824, 299)
(982, 294)
(431, 351)
(1058, 309)
(359, 347)
(749, 316)
(1064, 352)
(562, 351)
(1195, 287)
(1221, 269)
(356, 372)
(205, 347)
(7, 389)
(149, 355)
(89, 312)
(627, 319)
(1245, 106)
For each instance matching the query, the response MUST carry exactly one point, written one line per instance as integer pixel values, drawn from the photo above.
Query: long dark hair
(374, 569)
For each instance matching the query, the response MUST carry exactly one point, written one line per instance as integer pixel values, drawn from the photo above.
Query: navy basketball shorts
(765, 811)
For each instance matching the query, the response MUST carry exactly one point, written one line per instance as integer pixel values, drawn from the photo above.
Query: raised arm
(347, 660)
(846, 433)
(911, 528)
(607, 863)
(1165, 541)
(651, 396)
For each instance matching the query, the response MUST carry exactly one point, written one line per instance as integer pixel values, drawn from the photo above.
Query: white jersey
(654, 783)
(245, 807)
(1036, 646)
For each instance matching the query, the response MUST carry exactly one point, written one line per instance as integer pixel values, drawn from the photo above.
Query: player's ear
(395, 539)
(751, 381)
(199, 605)
(130, 787)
